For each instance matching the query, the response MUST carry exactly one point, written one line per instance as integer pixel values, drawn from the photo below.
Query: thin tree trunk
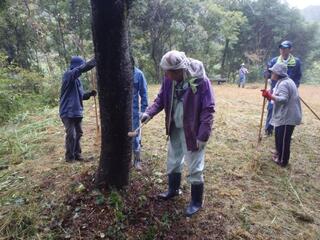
(27, 6)
(224, 56)
(115, 76)
(58, 18)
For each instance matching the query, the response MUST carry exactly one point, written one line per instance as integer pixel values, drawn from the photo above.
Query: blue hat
(285, 44)
(76, 61)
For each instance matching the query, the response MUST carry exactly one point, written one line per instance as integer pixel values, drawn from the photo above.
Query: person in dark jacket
(294, 73)
(71, 107)
(187, 97)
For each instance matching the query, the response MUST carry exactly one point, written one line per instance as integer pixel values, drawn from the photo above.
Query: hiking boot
(69, 160)
(137, 165)
(174, 180)
(137, 161)
(79, 158)
(196, 199)
(274, 151)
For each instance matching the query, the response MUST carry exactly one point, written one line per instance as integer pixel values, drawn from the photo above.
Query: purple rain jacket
(198, 110)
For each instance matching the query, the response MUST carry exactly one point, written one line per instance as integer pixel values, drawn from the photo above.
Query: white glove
(145, 118)
(201, 144)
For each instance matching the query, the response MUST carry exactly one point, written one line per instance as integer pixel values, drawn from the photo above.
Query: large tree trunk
(115, 76)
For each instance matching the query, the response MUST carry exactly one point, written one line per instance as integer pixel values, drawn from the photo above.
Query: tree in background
(155, 25)
(16, 36)
(223, 27)
(269, 23)
(115, 73)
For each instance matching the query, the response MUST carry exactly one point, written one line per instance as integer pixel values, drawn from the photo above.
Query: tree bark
(115, 77)
(224, 57)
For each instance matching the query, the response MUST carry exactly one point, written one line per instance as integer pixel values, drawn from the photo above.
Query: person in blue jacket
(294, 72)
(139, 105)
(71, 106)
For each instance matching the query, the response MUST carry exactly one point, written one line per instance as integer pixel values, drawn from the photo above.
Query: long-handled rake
(309, 108)
(262, 112)
(93, 83)
(136, 131)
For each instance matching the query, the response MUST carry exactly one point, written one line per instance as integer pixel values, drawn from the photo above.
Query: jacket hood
(76, 61)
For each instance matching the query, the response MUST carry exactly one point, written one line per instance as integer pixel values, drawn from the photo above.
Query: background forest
(37, 38)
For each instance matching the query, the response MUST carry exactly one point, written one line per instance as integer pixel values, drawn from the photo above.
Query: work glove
(145, 118)
(93, 93)
(201, 144)
(267, 94)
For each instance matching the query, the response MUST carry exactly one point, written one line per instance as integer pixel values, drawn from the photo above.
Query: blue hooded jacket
(139, 90)
(72, 93)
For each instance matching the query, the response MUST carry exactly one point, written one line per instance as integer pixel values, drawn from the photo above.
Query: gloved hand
(93, 93)
(267, 94)
(145, 118)
(201, 144)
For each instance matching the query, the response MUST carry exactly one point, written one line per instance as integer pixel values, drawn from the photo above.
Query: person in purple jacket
(187, 97)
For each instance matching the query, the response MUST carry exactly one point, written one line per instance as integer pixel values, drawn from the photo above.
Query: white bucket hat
(280, 69)
(174, 60)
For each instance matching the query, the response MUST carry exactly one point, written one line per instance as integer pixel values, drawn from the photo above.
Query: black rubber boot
(196, 199)
(174, 180)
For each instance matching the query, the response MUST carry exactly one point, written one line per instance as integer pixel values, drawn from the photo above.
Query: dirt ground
(246, 195)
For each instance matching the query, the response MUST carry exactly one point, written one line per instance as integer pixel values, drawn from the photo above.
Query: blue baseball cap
(285, 44)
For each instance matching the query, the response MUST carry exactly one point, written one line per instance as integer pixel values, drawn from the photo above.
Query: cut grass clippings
(247, 196)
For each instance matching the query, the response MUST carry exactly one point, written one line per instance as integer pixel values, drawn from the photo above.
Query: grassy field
(246, 195)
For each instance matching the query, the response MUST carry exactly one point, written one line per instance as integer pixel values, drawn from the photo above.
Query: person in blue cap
(71, 106)
(294, 72)
(139, 106)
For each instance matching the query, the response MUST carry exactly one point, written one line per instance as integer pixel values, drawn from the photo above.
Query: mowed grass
(255, 198)
(259, 199)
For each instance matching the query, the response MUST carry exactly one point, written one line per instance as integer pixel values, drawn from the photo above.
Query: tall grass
(21, 137)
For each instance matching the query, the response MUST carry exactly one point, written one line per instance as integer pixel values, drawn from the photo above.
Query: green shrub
(24, 90)
(255, 73)
(312, 74)
(7, 106)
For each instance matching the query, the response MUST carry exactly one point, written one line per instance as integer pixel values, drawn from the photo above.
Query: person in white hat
(286, 111)
(242, 75)
(187, 97)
